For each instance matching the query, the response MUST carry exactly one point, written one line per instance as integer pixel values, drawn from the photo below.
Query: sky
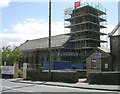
(27, 20)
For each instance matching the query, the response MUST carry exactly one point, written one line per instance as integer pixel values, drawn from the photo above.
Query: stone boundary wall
(58, 76)
(105, 78)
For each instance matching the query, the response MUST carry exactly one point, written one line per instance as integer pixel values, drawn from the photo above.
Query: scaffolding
(85, 23)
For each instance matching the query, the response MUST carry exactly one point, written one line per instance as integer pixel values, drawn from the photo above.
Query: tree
(5, 54)
(15, 55)
(11, 56)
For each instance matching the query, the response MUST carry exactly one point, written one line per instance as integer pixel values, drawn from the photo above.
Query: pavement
(80, 84)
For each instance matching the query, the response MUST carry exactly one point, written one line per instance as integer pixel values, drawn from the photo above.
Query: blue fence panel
(78, 66)
(46, 65)
(62, 65)
(57, 65)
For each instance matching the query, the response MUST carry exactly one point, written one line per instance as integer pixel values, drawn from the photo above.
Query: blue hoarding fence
(78, 66)
(63, 65)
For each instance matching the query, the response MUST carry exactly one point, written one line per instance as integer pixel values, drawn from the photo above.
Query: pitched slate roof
(56, 41)
(115, 31)
(106, 50)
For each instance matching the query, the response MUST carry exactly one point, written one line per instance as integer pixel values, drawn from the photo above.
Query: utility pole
(50, 39)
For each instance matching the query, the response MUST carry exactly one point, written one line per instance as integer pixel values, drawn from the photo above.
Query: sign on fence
(7, 70)
(25, 70)
(25, 65)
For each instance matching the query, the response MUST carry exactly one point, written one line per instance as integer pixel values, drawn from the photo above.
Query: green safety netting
(96, 6)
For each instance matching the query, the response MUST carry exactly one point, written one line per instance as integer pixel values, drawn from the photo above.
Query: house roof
(106, 50)
(115, 31)
(56, 41)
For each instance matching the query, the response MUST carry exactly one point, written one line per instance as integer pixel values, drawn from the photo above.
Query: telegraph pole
(50, 39)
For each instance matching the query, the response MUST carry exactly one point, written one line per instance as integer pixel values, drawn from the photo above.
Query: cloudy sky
(28, 20)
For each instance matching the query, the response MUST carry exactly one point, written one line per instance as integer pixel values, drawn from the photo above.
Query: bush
(0, 63)
(20, 73)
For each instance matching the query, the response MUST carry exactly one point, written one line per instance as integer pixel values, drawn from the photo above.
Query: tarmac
(80, 84)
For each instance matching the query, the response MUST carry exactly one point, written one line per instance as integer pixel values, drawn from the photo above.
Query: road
(8, 86)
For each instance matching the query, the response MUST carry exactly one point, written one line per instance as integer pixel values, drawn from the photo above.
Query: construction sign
(76, 4)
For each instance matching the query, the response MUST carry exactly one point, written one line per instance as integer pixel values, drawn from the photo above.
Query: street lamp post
(50, 39)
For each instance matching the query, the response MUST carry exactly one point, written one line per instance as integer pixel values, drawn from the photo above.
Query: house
(115, 47)
(99, 61)
(76, 46)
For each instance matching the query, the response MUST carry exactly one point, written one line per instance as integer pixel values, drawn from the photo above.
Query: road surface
(8, 86)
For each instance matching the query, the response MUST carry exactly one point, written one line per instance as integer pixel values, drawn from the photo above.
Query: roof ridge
(114, 30)
(56, 41)
(47, 37)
